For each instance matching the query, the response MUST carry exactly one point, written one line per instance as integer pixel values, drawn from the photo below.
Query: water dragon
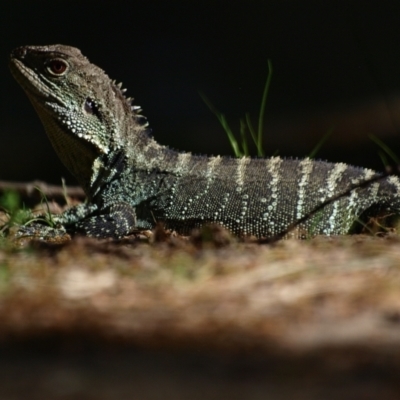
(133, 182)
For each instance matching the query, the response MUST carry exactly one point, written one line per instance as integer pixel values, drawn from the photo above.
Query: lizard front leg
(87, 219)
(114, 221)
(55, 227)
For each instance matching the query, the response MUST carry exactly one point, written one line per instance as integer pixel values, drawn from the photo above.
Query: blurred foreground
(317, 319)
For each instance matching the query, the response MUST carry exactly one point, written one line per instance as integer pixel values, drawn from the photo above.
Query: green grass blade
(384, 159)
(324, 138)
(222, 120)
(385, 148)
(245, 147)
(251, 129)
(259, 144)
(231, 137)
(65, 193)
(43, 200)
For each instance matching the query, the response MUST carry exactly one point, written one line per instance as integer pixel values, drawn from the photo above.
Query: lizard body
(133, 182)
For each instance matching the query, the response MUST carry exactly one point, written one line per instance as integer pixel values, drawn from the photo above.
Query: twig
(28, 190)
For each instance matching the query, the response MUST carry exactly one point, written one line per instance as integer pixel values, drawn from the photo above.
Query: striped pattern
(306, 167)
(262, 197)
(134, 182)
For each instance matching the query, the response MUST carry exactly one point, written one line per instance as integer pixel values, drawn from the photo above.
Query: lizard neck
(77, 155)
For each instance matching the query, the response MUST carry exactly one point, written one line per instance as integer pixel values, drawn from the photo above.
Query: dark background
(336, 65)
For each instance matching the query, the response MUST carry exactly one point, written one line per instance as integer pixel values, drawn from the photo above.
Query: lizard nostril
(20, 52)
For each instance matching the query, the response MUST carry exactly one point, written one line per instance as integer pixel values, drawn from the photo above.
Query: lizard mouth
(31, 83)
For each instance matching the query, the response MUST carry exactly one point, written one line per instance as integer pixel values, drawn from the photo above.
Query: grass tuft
(242, 149)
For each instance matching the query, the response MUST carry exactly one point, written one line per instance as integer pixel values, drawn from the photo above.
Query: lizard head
(84, 112)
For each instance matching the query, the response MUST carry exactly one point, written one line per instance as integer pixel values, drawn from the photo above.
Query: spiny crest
(80, 96)
(136, 110)
(88, 69)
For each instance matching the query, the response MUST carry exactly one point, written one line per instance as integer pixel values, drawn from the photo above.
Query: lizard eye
(57, 67)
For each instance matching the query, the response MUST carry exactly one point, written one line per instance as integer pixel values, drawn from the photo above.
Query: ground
(190, 318)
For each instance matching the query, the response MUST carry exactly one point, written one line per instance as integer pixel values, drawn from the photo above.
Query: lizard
(132, 182)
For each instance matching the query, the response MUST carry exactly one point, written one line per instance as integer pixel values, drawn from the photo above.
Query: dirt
(188, 318)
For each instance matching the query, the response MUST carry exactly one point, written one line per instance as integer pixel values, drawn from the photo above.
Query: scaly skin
(132, 182)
